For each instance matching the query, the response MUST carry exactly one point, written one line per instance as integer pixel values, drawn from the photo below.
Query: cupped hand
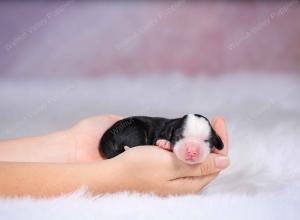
(151, 169)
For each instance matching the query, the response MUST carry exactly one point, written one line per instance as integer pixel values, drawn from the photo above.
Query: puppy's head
(194, 139)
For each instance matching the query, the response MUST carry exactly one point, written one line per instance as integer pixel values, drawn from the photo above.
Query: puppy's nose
(192, 151)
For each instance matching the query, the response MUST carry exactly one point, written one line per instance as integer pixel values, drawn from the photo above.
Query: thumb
(213, 164)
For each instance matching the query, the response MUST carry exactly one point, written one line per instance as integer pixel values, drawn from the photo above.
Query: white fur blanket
(263, 116)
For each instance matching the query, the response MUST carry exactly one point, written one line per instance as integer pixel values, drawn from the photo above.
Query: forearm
(54, 147)
(49, 179)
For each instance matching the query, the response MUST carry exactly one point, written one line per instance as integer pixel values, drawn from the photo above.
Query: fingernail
(221, 162)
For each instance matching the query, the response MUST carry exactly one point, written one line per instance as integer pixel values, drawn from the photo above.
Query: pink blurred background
(68, 38)
(137, 58)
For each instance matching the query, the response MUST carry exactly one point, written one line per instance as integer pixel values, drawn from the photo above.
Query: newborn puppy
(191, 137)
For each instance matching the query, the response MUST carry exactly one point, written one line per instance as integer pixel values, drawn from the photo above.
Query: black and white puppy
(191, 137)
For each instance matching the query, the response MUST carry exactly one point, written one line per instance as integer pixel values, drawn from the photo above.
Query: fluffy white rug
(262, 112)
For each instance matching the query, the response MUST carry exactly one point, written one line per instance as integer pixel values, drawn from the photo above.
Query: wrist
(106, 176)
(70, 142)
(52, 147)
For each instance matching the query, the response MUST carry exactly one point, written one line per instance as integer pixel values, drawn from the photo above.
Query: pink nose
(192, 151)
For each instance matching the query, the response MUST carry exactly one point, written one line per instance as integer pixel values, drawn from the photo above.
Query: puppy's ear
(216, 141)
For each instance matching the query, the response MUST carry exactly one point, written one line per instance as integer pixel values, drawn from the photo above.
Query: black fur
(142, 130)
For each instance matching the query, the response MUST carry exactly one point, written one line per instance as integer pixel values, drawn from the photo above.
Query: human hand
(151, 169)
(87, 134)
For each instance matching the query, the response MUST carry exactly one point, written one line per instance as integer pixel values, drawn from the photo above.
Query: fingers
(219, 125)
(190, 185)
(194, 178)
(213, 164)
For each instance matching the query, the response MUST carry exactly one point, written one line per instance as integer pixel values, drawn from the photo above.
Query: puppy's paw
(164, 144)
(126, 148)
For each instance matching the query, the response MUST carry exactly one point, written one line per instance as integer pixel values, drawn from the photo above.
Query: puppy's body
(190, 137)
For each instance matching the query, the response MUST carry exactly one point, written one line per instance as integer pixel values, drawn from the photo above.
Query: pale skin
(61, 162)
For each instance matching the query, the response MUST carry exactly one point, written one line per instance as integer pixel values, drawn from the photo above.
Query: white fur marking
(196, 127)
